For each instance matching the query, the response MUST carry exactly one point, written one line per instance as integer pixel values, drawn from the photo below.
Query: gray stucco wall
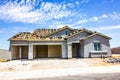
(76, 38)
(89, 45)
(82, 49)
(61, 33)
(19, 43)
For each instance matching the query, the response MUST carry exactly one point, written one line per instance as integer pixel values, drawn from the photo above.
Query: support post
(69, 50)
(30, 51)
(64, 50)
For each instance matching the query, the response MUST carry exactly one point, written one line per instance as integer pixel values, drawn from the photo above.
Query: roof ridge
(60, 29)
(96, 33)
(78, 31)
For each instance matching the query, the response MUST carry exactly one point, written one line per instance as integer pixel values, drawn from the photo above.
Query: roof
(60, 29)
(40, 34)
(21, 35)
(75, 32)
(96, 33)
(45, 34)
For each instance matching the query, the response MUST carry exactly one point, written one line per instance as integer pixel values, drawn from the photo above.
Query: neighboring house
(116, 50)
(59, 43)
(4, 55)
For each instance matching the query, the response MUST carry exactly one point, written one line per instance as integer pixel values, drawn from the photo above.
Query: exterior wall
(89, 45)
(18, 43)
(41, 51)
(76, 38)
(62, 33)
(4, 55)
(15, 52)
(30, 50)
(82, 49)
(54, 51)
(64, 50)
(69, 49)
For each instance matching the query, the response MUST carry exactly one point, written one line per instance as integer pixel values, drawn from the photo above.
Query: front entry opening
(75, 50)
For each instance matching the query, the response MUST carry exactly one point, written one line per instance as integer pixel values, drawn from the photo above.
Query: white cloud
(71, 5)
(84, 1)
(76, 2)
(104, 16)
(82, 21)
(94, 19)
(106, 28)
(25, 11)
(115, 15)
(112, 16)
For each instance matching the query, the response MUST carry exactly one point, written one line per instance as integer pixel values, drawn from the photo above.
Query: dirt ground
(40, 64)
(42, 69)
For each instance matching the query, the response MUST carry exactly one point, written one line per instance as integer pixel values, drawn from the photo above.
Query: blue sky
(26, 15)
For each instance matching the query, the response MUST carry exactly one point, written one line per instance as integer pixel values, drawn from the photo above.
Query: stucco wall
(61, 32)
(77, 37)
(82, 49)
(54, 51)
(18, 43)
(89, 45)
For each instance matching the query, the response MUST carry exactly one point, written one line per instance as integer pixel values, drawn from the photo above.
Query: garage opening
(19, 52)
(47, 51)
(41, 51)
(24, 52)
(54, 51)
(15, 52)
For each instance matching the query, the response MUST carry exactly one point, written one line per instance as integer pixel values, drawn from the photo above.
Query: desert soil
(43, 68)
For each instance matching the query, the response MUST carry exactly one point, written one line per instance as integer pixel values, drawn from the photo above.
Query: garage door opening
(41, 51)
(54, 51)
(47, 51)
(19, 52)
